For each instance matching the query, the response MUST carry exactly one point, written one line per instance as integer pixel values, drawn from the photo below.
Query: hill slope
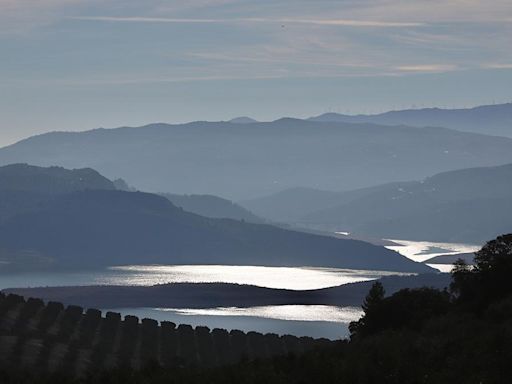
(101, 228)
(486, 119)
(24, 188)
(50, 180)
(241, 161)
(293, 204)
(212, 206)
(468, 205)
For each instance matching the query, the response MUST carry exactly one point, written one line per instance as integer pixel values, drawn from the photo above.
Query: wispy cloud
(282, 21)
(498, 66)
(274, 58)
(427, 68)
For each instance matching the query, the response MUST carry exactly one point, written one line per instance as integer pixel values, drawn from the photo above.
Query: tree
(489, 280)
(462, 277)
(374, 297)
(371, 304)
(494, 255)
(494, 266)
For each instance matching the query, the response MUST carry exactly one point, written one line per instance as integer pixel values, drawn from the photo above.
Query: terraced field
(53, 338)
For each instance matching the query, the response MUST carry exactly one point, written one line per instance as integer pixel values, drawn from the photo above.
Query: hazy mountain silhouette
(486, 119)
(25, 188)
(51, 180)
(291, 205)
(243, 120)
(93, 228)
(468, 205)
(212, 206)
(99, 228)
(26, 185)
(241, 161)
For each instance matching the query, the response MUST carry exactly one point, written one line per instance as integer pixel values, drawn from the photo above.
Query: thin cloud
(272, 58)
(498, 66)
(427, 68)
(283, 21)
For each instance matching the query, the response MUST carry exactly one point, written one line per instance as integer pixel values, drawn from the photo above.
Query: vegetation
(422, 335)
(51, 340)
(54, 218)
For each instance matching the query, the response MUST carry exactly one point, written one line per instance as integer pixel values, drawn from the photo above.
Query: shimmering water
(424, 250)
(296, 320)
(280, 312)
(270, 277)
(300, 320)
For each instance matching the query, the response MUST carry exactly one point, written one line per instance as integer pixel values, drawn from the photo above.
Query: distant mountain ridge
(212, 206)
(243, 120)
(485, 119)
(18, 181)
(468, 205)
(97, 228)
(241, 161)
(26, 188)
(24, 177)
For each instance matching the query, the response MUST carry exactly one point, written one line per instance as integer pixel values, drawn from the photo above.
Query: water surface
(424, 250)
(146, 275)
(254, 319)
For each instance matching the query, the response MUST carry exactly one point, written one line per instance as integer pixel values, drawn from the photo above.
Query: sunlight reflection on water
(424, 250)
(269, 277)
(146, 275)
(280, 312)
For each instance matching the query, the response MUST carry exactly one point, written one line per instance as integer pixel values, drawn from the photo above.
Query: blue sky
(82, 64)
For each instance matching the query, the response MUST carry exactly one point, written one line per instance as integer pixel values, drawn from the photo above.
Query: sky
(82, 64)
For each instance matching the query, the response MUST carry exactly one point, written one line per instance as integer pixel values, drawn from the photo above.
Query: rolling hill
(468, 205)
(50, 180)
(90, 228)
(25, 188)
(212, 206)
(242, 161)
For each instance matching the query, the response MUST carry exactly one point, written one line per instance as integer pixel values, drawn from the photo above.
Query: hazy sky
(81, 64)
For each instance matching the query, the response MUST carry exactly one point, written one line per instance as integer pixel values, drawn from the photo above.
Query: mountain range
(485, 119)
(242, 161)
(86, 227)
(468, 205)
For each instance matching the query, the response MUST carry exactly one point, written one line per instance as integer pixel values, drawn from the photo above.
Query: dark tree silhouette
(374, 297)
(489, 279)
(370, 305)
